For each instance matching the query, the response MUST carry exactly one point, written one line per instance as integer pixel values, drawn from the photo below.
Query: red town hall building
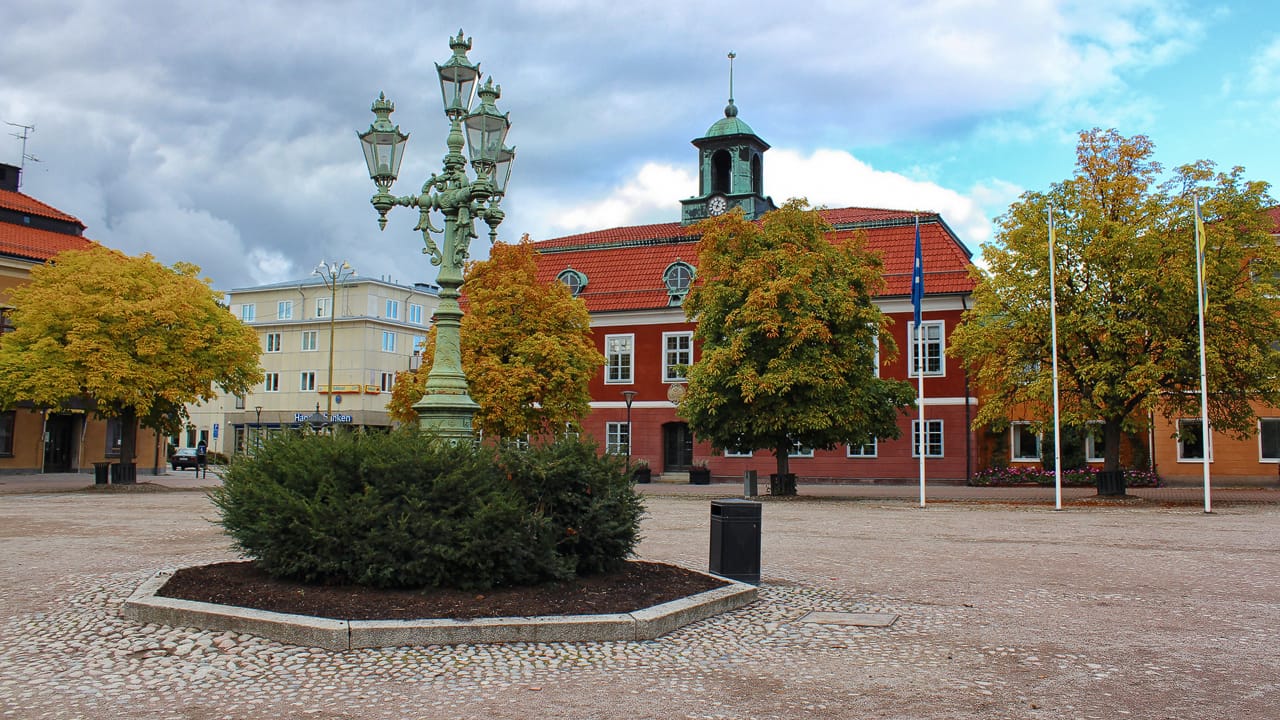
(634, 279)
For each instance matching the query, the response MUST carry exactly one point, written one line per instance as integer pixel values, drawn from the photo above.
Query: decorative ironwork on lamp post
(446, 408)
(333, 274)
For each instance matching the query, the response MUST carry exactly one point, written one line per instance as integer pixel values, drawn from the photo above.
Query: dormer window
(678, 277)
(573, 280)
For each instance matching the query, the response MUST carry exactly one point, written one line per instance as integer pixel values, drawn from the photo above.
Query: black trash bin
(735, 540)
(124, 474)
(1111, 483)
(100, 470)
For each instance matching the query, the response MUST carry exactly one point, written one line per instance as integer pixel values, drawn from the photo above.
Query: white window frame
(393, 309)
(1261, 456)
(307, 380)
(324, 307)
(734, 454)
(314, 337)
(419, 343)
(415, 314)
(271, 382)
(388, 381)
(617, 438)
(798, 451)
(930, 432)
(1017, 453)
(273, 342)
(1092, 439)
(668, 367)
(1182, 456)
(284, 310)
(875, 363)
(622, 347)
(388, 341)
(247, 312)
(862, 450)
(940, 342)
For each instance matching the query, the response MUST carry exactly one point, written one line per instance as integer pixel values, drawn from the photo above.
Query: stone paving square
(1129, 610)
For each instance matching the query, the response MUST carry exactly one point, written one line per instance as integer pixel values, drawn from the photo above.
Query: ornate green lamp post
(447, 408)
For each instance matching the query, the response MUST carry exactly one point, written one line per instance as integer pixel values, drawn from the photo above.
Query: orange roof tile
(18, 202)
(624, 266)
(41, 245)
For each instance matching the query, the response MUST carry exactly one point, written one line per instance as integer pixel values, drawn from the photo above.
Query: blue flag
(917, 278)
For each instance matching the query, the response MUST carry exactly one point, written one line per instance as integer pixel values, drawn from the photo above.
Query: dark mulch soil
(638, 585)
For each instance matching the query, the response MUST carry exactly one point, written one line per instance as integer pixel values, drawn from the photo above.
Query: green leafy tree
(138, 338)
(526, 347)
(1128, 341)
(788, 333)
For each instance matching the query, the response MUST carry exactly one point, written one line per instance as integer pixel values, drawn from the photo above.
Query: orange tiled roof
(19, 202)
(624, 266)
(40, 245)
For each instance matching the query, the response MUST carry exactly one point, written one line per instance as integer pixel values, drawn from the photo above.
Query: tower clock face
(717, 205)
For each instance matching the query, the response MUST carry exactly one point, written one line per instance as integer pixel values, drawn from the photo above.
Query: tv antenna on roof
(26, 132)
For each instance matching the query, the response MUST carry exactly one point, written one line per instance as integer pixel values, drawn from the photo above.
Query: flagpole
(917, 300)
(1053, 325)
(1202, 302)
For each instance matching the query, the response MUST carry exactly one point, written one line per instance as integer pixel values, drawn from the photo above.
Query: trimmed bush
(403, 510)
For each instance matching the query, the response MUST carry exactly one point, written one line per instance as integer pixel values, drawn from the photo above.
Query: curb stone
(145, 606)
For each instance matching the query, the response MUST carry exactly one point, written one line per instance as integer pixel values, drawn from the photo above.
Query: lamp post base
(447, 415)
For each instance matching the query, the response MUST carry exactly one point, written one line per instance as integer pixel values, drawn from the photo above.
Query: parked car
(184, 458)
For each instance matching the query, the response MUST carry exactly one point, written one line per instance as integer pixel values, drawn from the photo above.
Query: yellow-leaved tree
(526, 348)
(137, 339)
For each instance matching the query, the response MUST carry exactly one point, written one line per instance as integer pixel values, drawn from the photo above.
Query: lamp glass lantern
(502, 170)
(486, 127)
(383, 144)
(458, 78)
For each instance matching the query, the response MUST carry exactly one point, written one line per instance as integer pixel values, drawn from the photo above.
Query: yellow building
(377, 328)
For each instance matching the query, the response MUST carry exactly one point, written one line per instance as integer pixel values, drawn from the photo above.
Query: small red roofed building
(32, 440)
(634, 279)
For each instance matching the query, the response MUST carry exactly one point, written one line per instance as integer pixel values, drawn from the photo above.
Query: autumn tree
(788, 334)
(139, 339)
(526, 348)
(1126, 297)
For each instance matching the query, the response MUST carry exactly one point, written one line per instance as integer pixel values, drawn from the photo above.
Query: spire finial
(730, 110)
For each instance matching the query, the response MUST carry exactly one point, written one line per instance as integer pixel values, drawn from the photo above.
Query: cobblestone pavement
(1135, 609)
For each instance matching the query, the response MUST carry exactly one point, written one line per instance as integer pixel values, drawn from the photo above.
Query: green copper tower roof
(730, 124)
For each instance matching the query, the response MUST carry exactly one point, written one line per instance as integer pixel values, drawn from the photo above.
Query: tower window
(757, 183)
(721, 167)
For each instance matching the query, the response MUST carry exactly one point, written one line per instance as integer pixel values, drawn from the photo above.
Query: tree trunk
(783, 483)
(1111, 443)
(1111, 479)
(128, 473)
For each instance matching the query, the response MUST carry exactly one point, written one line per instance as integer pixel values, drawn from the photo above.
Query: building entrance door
(677, 447)
(59, 446)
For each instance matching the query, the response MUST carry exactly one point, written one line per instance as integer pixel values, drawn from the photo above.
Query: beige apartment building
(377, 328)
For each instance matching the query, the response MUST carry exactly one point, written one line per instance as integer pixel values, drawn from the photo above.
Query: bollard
(749, 484)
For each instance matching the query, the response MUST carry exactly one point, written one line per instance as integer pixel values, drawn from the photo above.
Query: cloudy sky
(224, 133)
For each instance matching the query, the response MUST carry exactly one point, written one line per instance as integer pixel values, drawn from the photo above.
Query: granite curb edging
(145, 606)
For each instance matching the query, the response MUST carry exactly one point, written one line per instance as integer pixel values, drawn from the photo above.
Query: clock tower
(730, 169)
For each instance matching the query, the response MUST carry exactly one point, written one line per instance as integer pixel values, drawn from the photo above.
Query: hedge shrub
(404, 510)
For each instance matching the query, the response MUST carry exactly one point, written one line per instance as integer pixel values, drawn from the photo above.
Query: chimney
(9, 177)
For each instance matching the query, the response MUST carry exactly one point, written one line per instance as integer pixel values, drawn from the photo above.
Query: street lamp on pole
(257, 428)
(446, 408)
(629, 396)
(333, 274)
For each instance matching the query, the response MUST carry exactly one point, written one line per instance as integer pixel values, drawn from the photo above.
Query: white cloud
(652, 196)
(831, 178)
